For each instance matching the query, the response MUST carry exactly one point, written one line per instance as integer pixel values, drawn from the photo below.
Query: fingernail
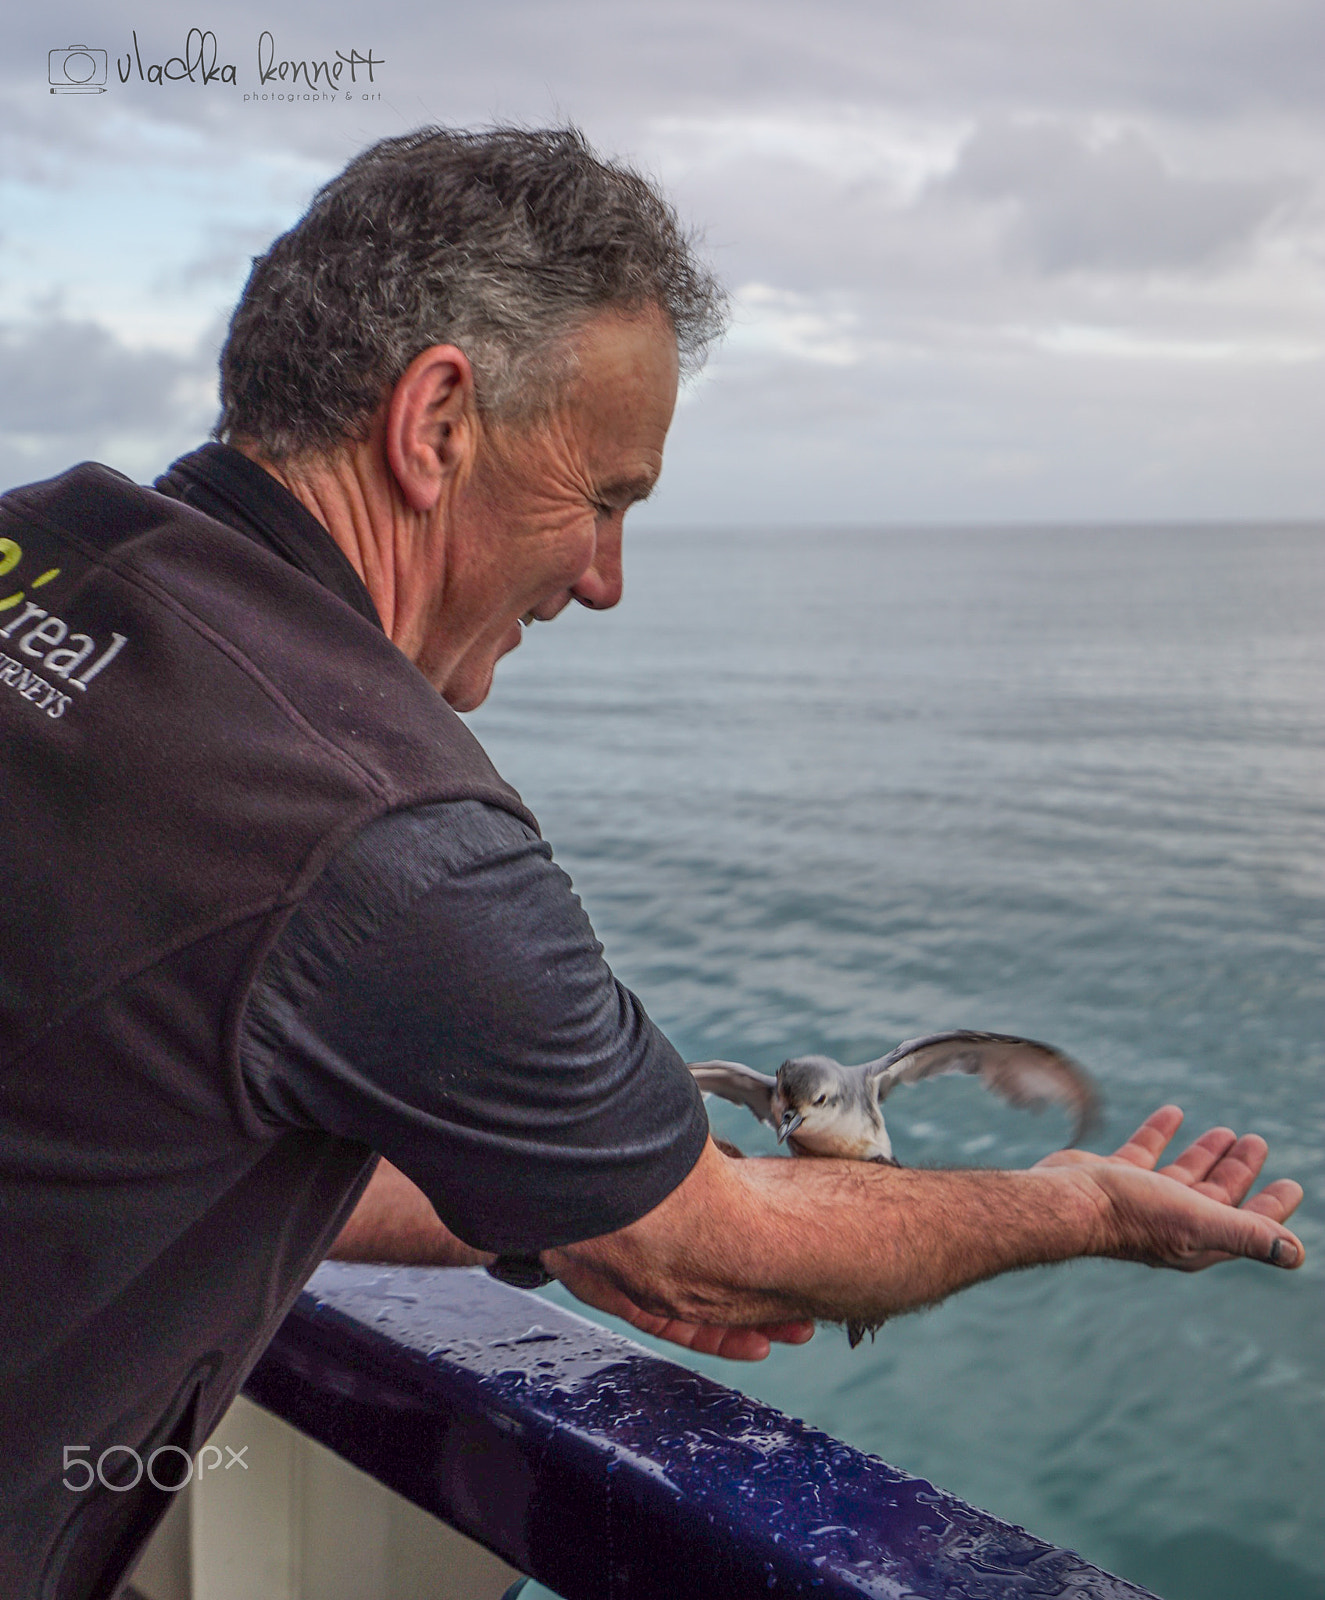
(1283, 1253)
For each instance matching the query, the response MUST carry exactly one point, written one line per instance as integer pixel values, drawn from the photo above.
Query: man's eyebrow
(626, 491)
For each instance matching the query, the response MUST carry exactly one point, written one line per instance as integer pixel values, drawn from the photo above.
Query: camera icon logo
(77, 70)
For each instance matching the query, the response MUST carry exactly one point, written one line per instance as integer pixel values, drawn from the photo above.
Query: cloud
(995, 428)
(778, 322)
(964, 238)
(618, 64)
(1124, 344)
(70, 390)
(1111, 203)
(224, 257)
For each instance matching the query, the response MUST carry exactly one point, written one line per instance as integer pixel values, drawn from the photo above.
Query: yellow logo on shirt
(76, 658)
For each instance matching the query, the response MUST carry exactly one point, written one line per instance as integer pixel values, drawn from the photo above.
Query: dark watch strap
(521, 1272)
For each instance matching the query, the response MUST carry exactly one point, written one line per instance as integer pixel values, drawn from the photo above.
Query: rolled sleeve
(441, 997)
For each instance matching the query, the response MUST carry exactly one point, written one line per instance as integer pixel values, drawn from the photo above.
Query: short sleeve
(440, 996)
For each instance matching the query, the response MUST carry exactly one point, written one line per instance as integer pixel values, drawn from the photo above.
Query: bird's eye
(819, 1099)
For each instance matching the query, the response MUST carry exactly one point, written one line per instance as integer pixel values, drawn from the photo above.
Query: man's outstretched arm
(745, 1252)
(742, 1244)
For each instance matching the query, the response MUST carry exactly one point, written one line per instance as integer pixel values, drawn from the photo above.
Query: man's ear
(430, 424)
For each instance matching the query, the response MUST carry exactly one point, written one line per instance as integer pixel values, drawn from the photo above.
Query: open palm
(1203, 1219)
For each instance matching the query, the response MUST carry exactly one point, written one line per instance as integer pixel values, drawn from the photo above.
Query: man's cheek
(573, 545)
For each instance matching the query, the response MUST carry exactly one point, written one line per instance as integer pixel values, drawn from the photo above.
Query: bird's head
(808, 1094)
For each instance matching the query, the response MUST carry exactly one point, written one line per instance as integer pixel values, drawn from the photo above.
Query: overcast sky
(992, 260)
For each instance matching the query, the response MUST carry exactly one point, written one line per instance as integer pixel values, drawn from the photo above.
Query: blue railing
(608, 1473)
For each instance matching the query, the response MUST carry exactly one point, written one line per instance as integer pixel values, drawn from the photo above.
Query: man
(270, 914)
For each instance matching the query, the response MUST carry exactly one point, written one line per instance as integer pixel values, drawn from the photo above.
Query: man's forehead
(622, 398)
(623, 349)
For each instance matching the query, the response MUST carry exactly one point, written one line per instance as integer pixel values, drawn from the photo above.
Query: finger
(1147, 1144)
(1200, 1157)
(788, 1332)
(1285, 1251)
(1277, 1200)
(737, 1344)
(742, 1344)
(1251, 1234)
(752, 1344)
(1231, 1177)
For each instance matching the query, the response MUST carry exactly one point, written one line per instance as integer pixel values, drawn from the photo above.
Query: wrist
(1084, 1208)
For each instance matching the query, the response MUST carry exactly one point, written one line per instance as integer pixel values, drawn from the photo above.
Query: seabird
(821, 1108)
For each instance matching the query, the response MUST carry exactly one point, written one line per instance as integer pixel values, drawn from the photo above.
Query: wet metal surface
(610, 1474)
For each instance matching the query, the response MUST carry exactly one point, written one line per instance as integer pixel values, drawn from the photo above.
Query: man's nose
(600, 585)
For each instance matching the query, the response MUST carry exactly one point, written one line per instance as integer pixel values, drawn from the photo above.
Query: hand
(736, 1344)
(1189, 1214)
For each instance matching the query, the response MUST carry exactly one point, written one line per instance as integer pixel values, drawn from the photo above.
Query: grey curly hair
(501, 241)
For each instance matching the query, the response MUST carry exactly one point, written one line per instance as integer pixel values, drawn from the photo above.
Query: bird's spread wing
(744, 1085)
(1023, 1071)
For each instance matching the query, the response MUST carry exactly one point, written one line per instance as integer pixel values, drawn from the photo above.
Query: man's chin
(466, 696)
(469, 686)
(470, 683)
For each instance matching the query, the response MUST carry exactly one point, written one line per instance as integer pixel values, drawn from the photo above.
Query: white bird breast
(830, 1131)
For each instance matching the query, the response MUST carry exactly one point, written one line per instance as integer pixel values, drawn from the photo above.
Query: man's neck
(377, 534)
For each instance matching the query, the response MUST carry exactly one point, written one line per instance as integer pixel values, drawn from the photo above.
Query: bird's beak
(791, 1120)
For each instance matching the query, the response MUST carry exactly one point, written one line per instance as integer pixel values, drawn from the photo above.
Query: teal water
(822, 791)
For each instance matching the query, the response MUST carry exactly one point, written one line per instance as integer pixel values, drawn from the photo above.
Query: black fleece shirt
(440, 995)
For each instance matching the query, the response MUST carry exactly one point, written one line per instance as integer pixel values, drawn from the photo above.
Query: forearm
(394, 1221)
(779, 1239)
(877, 1241)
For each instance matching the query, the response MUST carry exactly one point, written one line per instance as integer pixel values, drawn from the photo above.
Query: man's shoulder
(91, 503)
(104, 517)
(207, 613)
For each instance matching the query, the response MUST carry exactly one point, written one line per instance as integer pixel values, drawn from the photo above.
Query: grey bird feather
(821, 1108)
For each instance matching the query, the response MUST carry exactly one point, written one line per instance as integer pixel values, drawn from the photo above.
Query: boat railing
(609, 1473)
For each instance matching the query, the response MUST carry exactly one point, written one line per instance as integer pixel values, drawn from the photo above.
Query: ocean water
(824, 790)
